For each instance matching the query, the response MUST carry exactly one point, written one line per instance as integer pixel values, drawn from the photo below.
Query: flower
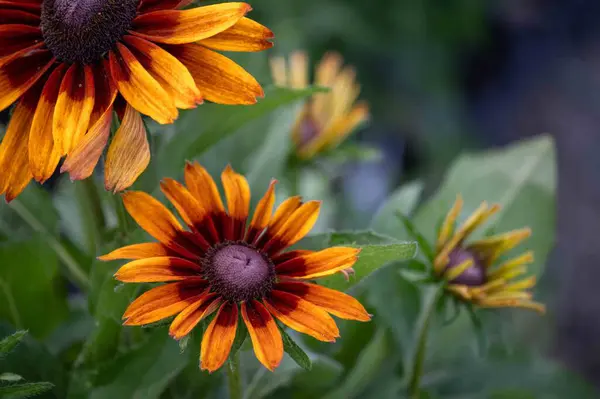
(327, 118)
(472, 271)
(222, 266)
(69, 63)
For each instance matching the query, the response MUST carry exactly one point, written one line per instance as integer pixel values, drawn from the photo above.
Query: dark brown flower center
(474, 275)
(238, 272)
(82, 31)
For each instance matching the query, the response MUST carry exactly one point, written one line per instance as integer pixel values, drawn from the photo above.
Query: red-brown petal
(157, 269)
(318, 264)
(218, 338)
(264, 333)
(185, 321)
(139, 251)
(262, 214)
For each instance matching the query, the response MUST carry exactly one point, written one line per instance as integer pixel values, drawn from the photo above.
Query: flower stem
(78, 275)
(417, 359)
(234, 377)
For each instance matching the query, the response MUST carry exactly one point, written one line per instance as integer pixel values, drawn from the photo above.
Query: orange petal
(218, 338)
(302, 316)
(219, 79)
(264, 333)
(82, 160)
(237, 192)
(16, 36)
(139, 251)
(128, 154)
(185, 321)
(318, 264)
(163, 301)
(285, 256)
(191, 211)
(139, 88)
(171, 74)
(20, 71)
(335, 302)
(188, 26)
(158, 269)
(245, 35)
(295, 228)
(73, 107)
(43, 154)
(156, 219)
(14, 155)
(262, 214)
(298, 70)
(203, 188)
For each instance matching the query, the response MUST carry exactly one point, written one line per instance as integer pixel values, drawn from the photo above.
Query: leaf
(295, 352)
(325, 240)
(211, 123)
(414, 234)
(403, 200)
(353, 152)
(143, 373)
(27, 390)
(9, 343)
(10, 377)
(30, 275)
(520, 177)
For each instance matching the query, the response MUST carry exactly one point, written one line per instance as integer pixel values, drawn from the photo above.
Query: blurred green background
(443, 78)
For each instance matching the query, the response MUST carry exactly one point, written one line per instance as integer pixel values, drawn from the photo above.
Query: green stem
(122, 216)
(78, 275)
(417, 360)
(12, 306)
(234, 378)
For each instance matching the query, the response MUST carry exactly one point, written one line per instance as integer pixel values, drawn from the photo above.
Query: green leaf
(414, 234)
(29, 275)
(9, 343)
(10, 377)
(353, 152)
(403, 200)
(28, 390)
(325, 240)
(295, 352)
(520, 177)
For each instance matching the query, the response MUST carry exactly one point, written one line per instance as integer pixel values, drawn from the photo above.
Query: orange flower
(224, 265)
(327, 118)
(66, 62)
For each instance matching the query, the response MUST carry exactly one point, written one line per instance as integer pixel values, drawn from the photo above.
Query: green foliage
(9, 343)
(22, 391)
(295, 352)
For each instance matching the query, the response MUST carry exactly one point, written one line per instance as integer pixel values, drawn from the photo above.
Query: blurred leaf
(295, 352)
(366, 368)
(403, 200)
(520, 177)
(353, 152)
(27, 390)
(414, 234)
(265, 382)
(10, 377)
(9, 343)
(39, 203)
(325, 240)
(29, 274)
(143, 373)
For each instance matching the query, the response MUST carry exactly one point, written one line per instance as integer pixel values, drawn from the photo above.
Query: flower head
(68, 64)
(327, 118)
(474, 271)
(227, 266)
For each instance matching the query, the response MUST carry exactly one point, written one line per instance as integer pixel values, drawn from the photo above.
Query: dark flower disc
(82, 31)
(474, 276)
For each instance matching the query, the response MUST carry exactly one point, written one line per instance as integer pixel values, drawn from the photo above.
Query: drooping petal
(44, 155)
(82, 160)
(157, 269)
(295, 228)
(196, 217)
(335, 302)
(167, 70)
(164, 301)
(245, 35)
(188, 26)
(73, 108)
(185, 321)
(139, 251)
(219, 79)
(14, 154)
(17, 37)
(319, 264)
(237, 192)
(21, 71)
(156, 219)
(264, 333)
(139, 88)
(128, 154)
(262, 214)
(302, 316)
(218, 338)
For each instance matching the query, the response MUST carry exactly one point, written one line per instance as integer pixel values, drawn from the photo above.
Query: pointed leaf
(296, 353)
(9, 343)
(28, 390)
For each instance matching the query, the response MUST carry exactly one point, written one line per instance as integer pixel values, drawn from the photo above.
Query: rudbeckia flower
(67, 64)
(327, 118)
(474, 270)
(224, 265)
